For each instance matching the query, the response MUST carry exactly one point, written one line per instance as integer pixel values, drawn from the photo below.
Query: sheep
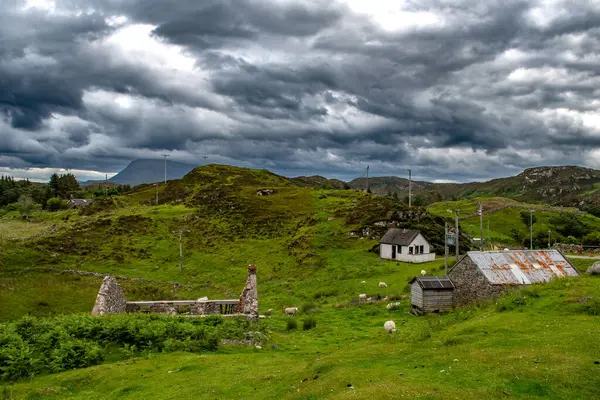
(203, 298)
(269, 312)
(291, 311)
(382, 284)
(423, 272)
(390, 326)
(362, 297)
(393, 305)
(363, 282)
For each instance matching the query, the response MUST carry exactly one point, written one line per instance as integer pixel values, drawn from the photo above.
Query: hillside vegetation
(313, 247)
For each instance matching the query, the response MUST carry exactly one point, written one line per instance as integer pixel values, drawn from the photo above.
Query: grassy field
(504, 217)
(534, 344)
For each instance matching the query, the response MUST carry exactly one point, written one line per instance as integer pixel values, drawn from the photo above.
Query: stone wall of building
(470, 284)
(110, 299)
(248, 304)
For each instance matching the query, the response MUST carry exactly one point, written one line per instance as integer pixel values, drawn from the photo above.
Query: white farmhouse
(405, 245)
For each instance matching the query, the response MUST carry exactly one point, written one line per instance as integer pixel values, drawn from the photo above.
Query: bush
(37, 345)
(309, 323)
(291, 324)
(55, 204)
(308, 308)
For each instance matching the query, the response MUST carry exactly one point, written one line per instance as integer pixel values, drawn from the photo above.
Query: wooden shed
(431, 294)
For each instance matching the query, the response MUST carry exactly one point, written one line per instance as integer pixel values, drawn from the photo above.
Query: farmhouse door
(394, 252)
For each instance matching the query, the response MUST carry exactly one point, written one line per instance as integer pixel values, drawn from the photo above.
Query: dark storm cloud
(458, 90)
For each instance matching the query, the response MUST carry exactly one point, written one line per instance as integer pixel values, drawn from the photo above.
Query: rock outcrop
(110, 299)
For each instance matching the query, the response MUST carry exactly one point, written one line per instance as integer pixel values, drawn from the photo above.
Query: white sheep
(423, 272)
(382, 284)
(291, 310)
(362, 297)
(269, 312)
(390, 326)
(393, 305)
(363, 282)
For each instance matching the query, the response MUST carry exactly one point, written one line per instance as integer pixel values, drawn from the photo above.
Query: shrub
(291, 324)
(309, 323)
(308, 308)
(75, 353)
(55, 204)
(592, 307)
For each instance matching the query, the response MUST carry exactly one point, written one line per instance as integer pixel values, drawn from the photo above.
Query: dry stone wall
(110, 299)
(470, 284)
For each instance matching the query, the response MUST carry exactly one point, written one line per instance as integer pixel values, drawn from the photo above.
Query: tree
(55, 204)
(67, 185)
(528, 218)
(26, 205)
(54, 184)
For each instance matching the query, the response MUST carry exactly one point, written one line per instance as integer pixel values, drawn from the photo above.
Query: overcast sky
(456, 90)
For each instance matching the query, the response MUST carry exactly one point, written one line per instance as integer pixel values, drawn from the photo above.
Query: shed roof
(522, 267)
(400, 237)
(433, 282)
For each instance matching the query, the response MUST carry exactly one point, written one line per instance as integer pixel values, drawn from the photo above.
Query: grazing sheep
(393, 305)
(269, 312)
(291, 311)
(369, 298)
(390, 326)
(363, 282)
(362, 297)
(423, 272)
(382, 284)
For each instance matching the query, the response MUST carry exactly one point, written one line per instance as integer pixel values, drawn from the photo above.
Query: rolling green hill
(313, 247)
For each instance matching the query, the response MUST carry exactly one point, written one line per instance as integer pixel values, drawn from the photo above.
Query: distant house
(78, 203)
(431, 294)
(483, 274)
(405, 245)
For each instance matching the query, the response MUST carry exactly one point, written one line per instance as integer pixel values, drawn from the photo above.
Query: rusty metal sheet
(522, 267)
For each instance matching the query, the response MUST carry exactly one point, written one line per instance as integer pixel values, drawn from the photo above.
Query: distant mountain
(148, 171)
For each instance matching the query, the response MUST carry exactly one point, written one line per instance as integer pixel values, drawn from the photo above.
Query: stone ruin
(111, 300)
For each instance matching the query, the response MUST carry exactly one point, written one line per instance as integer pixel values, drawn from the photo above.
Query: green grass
(543, 349)
(504, 216)
(540, 347)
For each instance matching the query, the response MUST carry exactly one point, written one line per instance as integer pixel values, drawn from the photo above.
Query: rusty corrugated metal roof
(522, 267)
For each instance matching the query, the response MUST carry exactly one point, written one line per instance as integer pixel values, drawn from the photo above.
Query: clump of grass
(291, 324)
(308, 308)
(591, 307)
(309, 323)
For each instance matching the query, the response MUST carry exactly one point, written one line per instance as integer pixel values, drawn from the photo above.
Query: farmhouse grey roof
(518, 267)
(433, 282)
(400, 237)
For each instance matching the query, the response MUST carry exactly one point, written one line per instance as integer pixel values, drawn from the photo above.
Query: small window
(410, 250)
(422, 249)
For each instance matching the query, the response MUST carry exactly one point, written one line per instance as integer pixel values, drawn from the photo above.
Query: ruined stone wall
(470, 284)
(574, 248)
(248, 304)
(110, 299)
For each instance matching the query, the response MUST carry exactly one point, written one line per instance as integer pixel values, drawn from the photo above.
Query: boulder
(594, 269)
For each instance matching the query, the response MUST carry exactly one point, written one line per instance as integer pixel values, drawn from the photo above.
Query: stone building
(405, 245)
(479, 275)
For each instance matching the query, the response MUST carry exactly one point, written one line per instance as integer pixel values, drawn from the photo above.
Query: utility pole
(165, 156)
(445, 247)
(549, 238)
(490, 236)
(530, 229)
(456, 231)
(106, 185)
(409, 188)
(367, 189)
(181, 247)
(457, 234)
(156, 184)
(480, 212)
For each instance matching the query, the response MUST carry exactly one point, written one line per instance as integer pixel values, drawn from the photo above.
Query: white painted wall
(385, 251)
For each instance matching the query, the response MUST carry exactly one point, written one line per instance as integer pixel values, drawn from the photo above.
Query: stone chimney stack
(249, 297)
